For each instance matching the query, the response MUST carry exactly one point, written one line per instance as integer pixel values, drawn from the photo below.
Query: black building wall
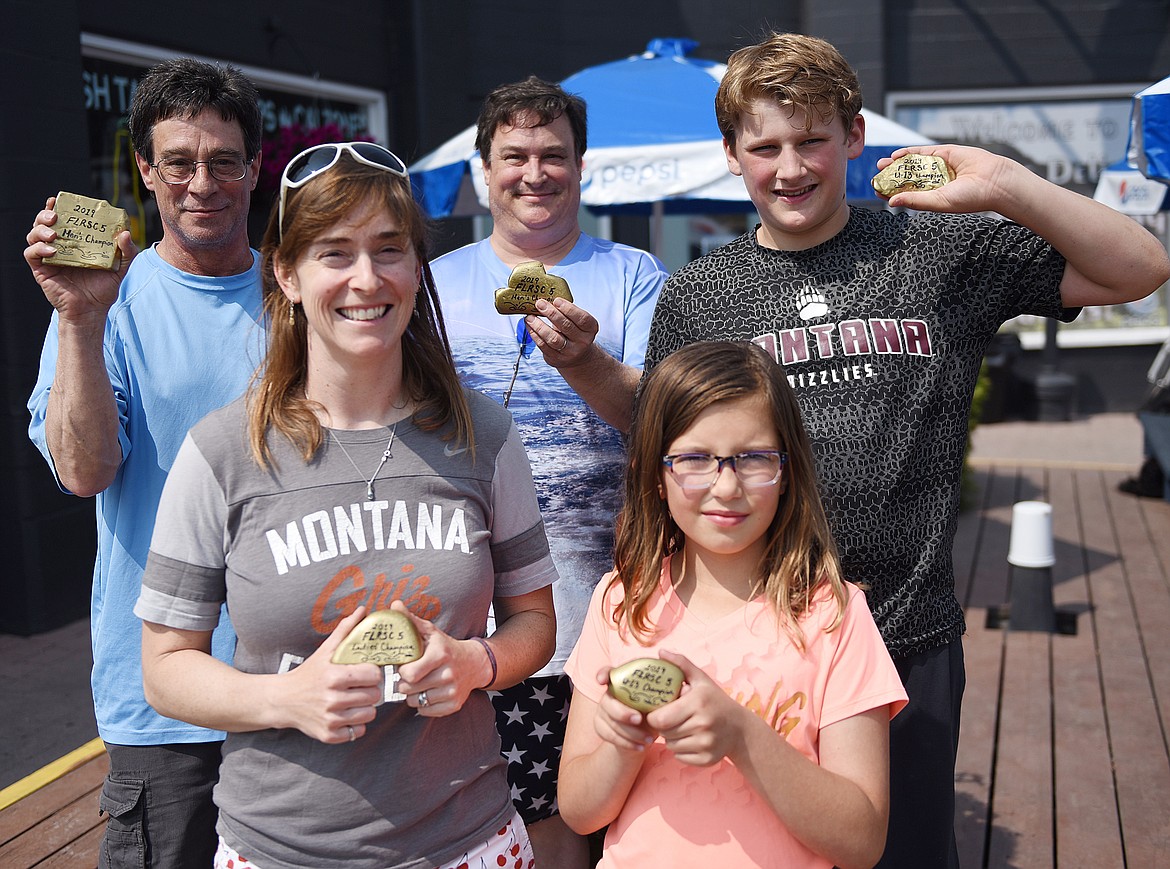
(435, 60)
(49, 537)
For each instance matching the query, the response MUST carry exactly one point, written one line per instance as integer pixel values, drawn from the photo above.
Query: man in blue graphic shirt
(531, 137)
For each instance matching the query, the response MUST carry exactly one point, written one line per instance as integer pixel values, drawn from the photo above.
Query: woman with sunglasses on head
(355, 475)
(775, 753)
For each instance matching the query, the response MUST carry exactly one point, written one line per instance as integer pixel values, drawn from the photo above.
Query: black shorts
(157, 802)
(531, 719)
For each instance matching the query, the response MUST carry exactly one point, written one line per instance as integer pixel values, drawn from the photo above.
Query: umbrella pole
(656, 213)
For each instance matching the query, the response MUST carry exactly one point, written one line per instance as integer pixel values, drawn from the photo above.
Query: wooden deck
(1063, 755)
(1064, 760)
(57, 825)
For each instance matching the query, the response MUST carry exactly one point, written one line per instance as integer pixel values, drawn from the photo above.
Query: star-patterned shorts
(531, 720)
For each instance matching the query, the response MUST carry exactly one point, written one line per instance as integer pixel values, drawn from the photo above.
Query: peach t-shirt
(680, 816)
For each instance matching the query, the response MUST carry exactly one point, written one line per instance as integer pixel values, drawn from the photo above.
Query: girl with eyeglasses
(775, 754)
(355, 475)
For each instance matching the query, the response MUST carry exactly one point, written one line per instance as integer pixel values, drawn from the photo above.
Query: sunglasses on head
(320, 158)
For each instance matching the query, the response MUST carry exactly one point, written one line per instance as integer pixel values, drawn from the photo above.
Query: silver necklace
(377, 470)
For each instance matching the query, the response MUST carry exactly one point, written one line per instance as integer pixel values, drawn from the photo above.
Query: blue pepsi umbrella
(653, 141)
(1149, 131)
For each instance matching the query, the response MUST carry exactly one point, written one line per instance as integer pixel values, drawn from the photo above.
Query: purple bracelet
(491, 660)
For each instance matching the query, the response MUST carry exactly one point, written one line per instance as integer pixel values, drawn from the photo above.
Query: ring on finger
(422, 699)
(352, 737)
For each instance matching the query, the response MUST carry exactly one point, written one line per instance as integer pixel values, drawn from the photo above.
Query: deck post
(1030, 553)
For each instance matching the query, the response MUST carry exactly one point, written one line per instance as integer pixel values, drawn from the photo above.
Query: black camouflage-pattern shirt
(881, 330)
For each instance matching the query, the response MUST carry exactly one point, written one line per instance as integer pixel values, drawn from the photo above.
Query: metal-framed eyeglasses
(311, 162)
(180, 170)
(754, 468)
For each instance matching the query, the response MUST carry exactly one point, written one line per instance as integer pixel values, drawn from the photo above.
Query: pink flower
(290, 141)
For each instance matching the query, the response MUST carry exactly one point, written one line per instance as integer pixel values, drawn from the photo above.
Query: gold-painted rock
(86, 232)
(527, 283)
(913, 172)
(645, 683)
(385, 638)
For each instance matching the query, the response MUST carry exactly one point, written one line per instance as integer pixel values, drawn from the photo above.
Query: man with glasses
(532, 137)
(131, 360)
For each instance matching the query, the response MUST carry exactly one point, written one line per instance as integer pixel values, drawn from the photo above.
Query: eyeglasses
(700, 470)
(180, 170)
(320, 158)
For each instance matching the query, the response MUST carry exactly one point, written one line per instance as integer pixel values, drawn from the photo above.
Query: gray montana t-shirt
(294, 549)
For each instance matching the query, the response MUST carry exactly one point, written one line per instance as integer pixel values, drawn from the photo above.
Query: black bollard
(1030, 554)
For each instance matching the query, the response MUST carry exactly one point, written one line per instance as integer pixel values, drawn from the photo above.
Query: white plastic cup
(1031, 538)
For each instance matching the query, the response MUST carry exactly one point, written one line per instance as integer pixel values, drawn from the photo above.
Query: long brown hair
(799, 557)
(276, 398)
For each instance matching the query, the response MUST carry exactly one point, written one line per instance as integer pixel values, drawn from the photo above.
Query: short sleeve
(862, 675)
(641, 300)
(184, 582)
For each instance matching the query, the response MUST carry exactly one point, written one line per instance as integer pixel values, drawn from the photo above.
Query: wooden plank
(1135, 728)
(1146, 821)
(32, 809)
(82, 852)
(1149, 580)
(55, 832)
(1156, 515)
(989, 576)
(1033, 483)
(982, 653)
(1022, 821)
(1088, 829)
(1068, 543)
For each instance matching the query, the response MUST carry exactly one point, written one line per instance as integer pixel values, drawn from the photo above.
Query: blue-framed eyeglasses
(311, 162)
(755, 468)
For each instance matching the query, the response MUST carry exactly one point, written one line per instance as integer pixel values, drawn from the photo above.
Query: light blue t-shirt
(177, 346)
(577, 459)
